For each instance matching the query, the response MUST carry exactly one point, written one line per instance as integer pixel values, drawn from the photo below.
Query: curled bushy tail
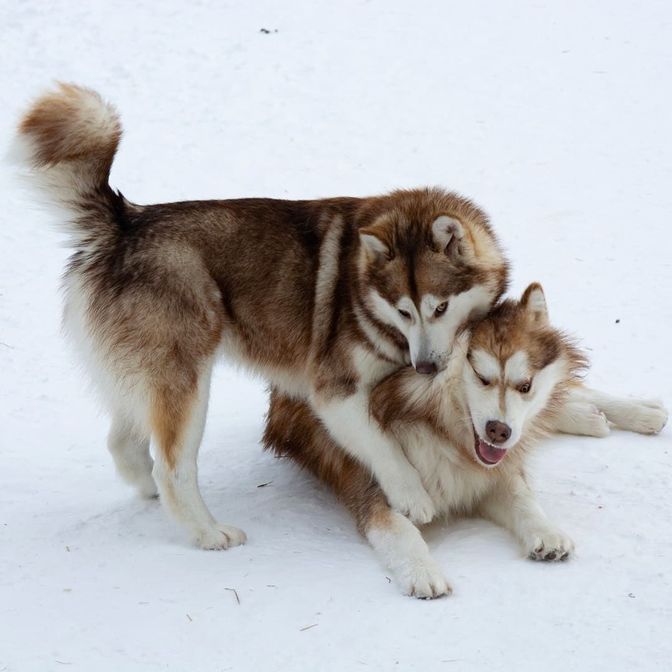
(67, 141)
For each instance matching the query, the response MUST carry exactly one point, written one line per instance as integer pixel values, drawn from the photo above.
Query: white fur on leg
(350, 424)
(644, 416)
(404, 552)
(178, 485)
(129, 447)
(581, 418)
(513, 506)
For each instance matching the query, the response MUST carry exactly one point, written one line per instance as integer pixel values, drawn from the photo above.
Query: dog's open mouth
(487, 453)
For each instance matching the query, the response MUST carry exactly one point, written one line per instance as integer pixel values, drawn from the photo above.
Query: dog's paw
(423, 580)
(549, 545)
(220, 537)
(645, 417)
(414, 503)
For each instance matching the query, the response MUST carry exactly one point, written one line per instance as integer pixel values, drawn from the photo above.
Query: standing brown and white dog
(512, 379)
(324, 298)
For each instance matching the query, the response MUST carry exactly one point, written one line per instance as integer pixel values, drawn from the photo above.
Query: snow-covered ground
(555, 116)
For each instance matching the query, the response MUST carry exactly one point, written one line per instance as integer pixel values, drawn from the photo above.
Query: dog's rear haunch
(322, 297)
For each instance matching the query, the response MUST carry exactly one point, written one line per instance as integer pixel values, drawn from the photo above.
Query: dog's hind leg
(129, 446)
(177, 417)
(636, 415)
(581, 418)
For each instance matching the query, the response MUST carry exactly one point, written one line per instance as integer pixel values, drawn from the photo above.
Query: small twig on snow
(235, 592)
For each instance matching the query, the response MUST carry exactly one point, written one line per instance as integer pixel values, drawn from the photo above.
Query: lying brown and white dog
(513, 378)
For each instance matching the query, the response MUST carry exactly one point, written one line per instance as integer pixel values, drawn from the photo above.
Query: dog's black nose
(425, 367)
(497, 431)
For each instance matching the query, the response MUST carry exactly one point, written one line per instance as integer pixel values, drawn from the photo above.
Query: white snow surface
(555, 117)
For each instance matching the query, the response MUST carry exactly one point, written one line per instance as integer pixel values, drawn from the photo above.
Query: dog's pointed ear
(373, 243)
(534, 302)
(448, 234)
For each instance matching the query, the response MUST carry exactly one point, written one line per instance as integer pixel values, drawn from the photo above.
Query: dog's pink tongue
(489, 453)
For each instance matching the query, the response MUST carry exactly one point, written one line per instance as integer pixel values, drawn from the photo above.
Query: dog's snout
(425, 367)
(497, 431)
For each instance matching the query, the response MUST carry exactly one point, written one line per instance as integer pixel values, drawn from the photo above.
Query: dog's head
(429, 263)
(516, 368)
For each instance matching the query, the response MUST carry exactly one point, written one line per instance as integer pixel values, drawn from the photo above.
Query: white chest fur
(453, 484)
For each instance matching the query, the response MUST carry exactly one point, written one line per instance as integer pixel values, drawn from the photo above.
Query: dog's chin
(487, 454)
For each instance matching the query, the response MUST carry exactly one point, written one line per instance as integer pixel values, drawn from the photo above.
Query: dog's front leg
(348, 420)
(513, 506)
(404, 552)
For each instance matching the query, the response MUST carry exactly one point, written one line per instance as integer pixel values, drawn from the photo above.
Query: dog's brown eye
(485, 381)
(525, 387)
(441, 308)
(405, 314)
